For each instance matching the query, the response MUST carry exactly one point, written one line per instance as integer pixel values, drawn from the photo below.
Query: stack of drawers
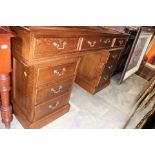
(45, 64)
(95, 69)
(108, 69)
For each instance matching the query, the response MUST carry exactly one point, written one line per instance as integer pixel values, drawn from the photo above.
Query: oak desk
(46, 62)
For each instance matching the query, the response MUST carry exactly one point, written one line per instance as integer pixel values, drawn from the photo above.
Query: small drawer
(104, 79)
(46, 108)
(114, 55)
(109, 68)
(53, 90)
(120, 42)
(55, 73)
(55, 46)
(91, 43)
(106, 42)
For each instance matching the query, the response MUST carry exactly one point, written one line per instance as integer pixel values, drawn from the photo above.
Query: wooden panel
(47, 92)
(90, 64)
(23, 87)
(21, 43)
(55, 46)
(90, 70)
(84, 84)
(46, 108)
(19, 87)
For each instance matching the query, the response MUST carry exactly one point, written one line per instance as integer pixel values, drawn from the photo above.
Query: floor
(108, 109)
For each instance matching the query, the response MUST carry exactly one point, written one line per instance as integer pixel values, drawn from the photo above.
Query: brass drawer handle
(53, 106)
(110, 66)
(91, 44)
(106, 77)
(114, 56)
(120, 42)
(106, 41)
(56, 91)
(59, 73)
(25, 73)
(60, 45)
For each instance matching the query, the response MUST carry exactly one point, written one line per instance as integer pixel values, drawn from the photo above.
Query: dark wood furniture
(5, 69)
(126, 52)
(45, 62)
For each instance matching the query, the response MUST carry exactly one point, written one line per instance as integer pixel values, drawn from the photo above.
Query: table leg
(6, 108)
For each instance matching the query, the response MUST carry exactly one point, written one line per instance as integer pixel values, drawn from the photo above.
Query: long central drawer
(44, 46)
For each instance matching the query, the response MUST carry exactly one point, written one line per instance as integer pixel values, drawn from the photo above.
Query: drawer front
(47, 93)
(107, 73)
(55, 46)
(104, 79)
(91, 43)
(114, 55)
(106, 42)
(120, 42)
(55, 73)
(109, 68)
(44, 109)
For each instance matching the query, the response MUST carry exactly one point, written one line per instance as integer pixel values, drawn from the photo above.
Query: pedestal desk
(46, 62)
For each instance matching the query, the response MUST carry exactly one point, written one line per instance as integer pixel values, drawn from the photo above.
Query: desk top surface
(97, 29)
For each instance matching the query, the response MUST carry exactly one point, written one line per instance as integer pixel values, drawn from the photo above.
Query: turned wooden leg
(6, 108)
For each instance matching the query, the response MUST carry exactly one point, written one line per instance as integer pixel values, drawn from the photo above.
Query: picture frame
(150, 55)
(137, 53)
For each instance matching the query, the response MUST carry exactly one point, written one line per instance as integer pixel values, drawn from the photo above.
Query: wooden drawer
(114, 55)
(106, 74)
(120, 42)
(55, 46)
(109, 68)
(106, 42)
(54, 73)
(91, 43)
(49, 91)
(46, 108)
(104, 79)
